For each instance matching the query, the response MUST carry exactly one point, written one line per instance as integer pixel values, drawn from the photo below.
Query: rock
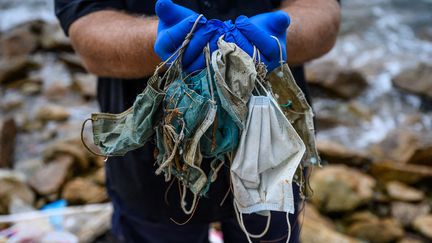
(334, 152)
(404, 146)
(12, 186)
(363, 216)
(82, 190)
(423, 224)
(324, 122)
(343, 82)
(318, 229)
(406, 173)
(408, 239)
(52, 112)
(86, 84)
(98, 176)
(417, 80)
(51, 177)
(81, 159)
(380, 231)
(53, 38)
(11, 101)
(405, 213)
(8, 132)
(72, 60)
(31, 88)
(402, 192)
(28, 167)
(21, 40)
(338, 188)
(15, 69)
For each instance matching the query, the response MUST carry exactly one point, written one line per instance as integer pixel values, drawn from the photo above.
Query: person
(116, 41)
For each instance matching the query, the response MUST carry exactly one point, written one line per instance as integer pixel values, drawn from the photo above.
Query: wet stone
(338, 188)
(81, 190)
(405, 213)
(417, 80)
(402, 192)
(379, 231)
(12, 186)
(334, 152)
(423, 225)
(52, 112)
(340, 81)
(52, 176)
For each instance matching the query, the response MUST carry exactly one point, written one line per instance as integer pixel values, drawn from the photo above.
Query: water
(379, 37)
(382, 38)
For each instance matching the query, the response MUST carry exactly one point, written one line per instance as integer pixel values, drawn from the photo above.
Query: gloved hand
(175, 22)
(259, 29)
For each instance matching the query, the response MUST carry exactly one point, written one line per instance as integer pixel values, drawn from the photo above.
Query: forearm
(115, 44)
(313, 29)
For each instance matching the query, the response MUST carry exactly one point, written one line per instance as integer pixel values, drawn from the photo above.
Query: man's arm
(313, 29)
(115, 44)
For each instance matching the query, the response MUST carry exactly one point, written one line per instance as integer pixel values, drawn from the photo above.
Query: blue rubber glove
(259, 29)
(175, 22)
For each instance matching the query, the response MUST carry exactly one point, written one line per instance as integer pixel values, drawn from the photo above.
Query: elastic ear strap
(289, 228)
(85, 144)
(210, 81)
(243, 227)
(182, 47)
(281, 61)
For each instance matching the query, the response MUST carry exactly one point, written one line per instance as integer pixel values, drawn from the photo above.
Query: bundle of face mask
(232, 112)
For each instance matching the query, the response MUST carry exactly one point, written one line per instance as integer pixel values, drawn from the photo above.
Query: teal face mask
(117, 134)
(187, 116)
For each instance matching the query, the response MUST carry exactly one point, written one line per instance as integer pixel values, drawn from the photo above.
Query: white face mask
(268, 155)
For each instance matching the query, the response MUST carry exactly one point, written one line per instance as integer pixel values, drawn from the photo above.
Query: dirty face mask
(117, 134)
(296, 109)
(235, 76)
(268, 155)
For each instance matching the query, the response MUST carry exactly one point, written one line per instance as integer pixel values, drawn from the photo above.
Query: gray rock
(417, 80)
(86, 84)
(341, 81)
(402, 192)
(379, 231)
(21, 40)
(338, 188)
(50, 178)
(15, 68)
(52, 112)
(334, 152)
(81, 190)
(13, 186)
(405, 213)
(423, 224)
(406, 173)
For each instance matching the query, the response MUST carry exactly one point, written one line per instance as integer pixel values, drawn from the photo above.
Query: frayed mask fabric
(235, 77)
(117, 134)
(268, 155)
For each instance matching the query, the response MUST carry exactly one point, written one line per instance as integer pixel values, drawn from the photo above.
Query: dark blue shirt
(131, 182)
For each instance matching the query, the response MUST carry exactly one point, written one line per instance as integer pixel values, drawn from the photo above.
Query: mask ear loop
(281, 61)
(85, 144)
(210, 79)
(179, 52)
(240, 220)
